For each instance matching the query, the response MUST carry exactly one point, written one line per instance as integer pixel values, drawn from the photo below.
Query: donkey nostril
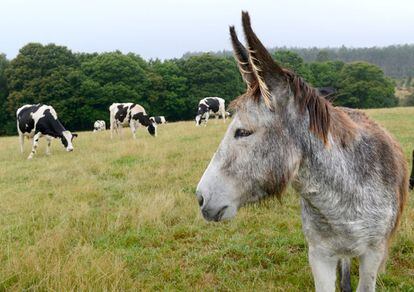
(200, 200)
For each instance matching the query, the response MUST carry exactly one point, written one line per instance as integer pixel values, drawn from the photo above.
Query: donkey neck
(324, 165)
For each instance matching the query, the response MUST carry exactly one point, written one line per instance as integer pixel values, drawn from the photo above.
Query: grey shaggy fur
(352, 189)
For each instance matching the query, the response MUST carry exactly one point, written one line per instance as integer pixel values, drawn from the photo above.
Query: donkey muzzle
(213, 214)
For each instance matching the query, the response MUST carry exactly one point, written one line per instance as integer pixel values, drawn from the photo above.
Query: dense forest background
(396, 61)
(81, 86)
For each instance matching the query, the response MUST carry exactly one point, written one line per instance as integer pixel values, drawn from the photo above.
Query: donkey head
(261, 150)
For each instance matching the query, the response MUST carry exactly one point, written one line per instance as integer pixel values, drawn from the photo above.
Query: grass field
(122, 215)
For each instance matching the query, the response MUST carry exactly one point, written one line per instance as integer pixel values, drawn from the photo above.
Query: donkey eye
(242, 133)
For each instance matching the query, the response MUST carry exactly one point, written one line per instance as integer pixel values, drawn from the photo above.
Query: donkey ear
(264, 67)
(242, 57)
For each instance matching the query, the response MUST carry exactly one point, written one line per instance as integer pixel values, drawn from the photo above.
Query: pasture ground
(122, 215)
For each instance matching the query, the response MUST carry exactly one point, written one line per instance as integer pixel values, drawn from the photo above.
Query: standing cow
(99, 125)
(210, 105)
(35, 121)
(159, 120)
(132, 114)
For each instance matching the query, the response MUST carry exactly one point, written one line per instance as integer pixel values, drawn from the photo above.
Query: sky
(168, 29)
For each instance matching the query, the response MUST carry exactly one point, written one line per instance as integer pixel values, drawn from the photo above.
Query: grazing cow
(132, 114)
(210, 105)
(99, 125)
(412, 174)
(159, 120)
(35, 121)
(350, 173)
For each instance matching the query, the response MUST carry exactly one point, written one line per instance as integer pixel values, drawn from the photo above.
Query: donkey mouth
(210, 216)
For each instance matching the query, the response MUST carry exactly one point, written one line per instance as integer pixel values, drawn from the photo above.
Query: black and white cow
(210, 105)
(99, 125)
(35, 121)
(132, 114)
(159, 120)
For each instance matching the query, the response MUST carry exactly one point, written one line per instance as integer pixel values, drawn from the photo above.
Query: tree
(116, 68)
(4, 63)
(111, 77)
(46, 74)
(325, 74)
(292, 61)
(169, 90)
(31, 74)
(408, 82)
(322, 56)
(363, 85)
(7, 123)
(409, 100)
(208, 75)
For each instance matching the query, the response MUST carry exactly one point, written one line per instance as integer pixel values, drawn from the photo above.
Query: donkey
(350, 173)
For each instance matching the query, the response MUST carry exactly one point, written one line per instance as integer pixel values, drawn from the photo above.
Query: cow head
(202, 109)
(152, 129)
(148, 122)
(67, 138)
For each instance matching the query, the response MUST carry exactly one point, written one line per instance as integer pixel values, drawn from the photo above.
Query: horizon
(226, 51)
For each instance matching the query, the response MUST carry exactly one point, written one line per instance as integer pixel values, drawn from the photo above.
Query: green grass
(122, 215)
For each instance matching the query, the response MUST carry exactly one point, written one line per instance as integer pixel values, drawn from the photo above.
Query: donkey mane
(324, 118)
(307, 97)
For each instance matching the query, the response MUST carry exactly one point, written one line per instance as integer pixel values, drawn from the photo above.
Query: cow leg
(323, 269)
(133, 128)
(206, 119)
(49, 141)
(119, 129)
(35, 144)
(21, 141)
(111, 126)
(369, 265)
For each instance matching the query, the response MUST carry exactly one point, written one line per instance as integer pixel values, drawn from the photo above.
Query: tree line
(397, 61)
(81, 86)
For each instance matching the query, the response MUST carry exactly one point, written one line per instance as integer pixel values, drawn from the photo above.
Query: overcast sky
(166, 29)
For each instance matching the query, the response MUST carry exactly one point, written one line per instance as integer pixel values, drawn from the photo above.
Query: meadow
(122, 215)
